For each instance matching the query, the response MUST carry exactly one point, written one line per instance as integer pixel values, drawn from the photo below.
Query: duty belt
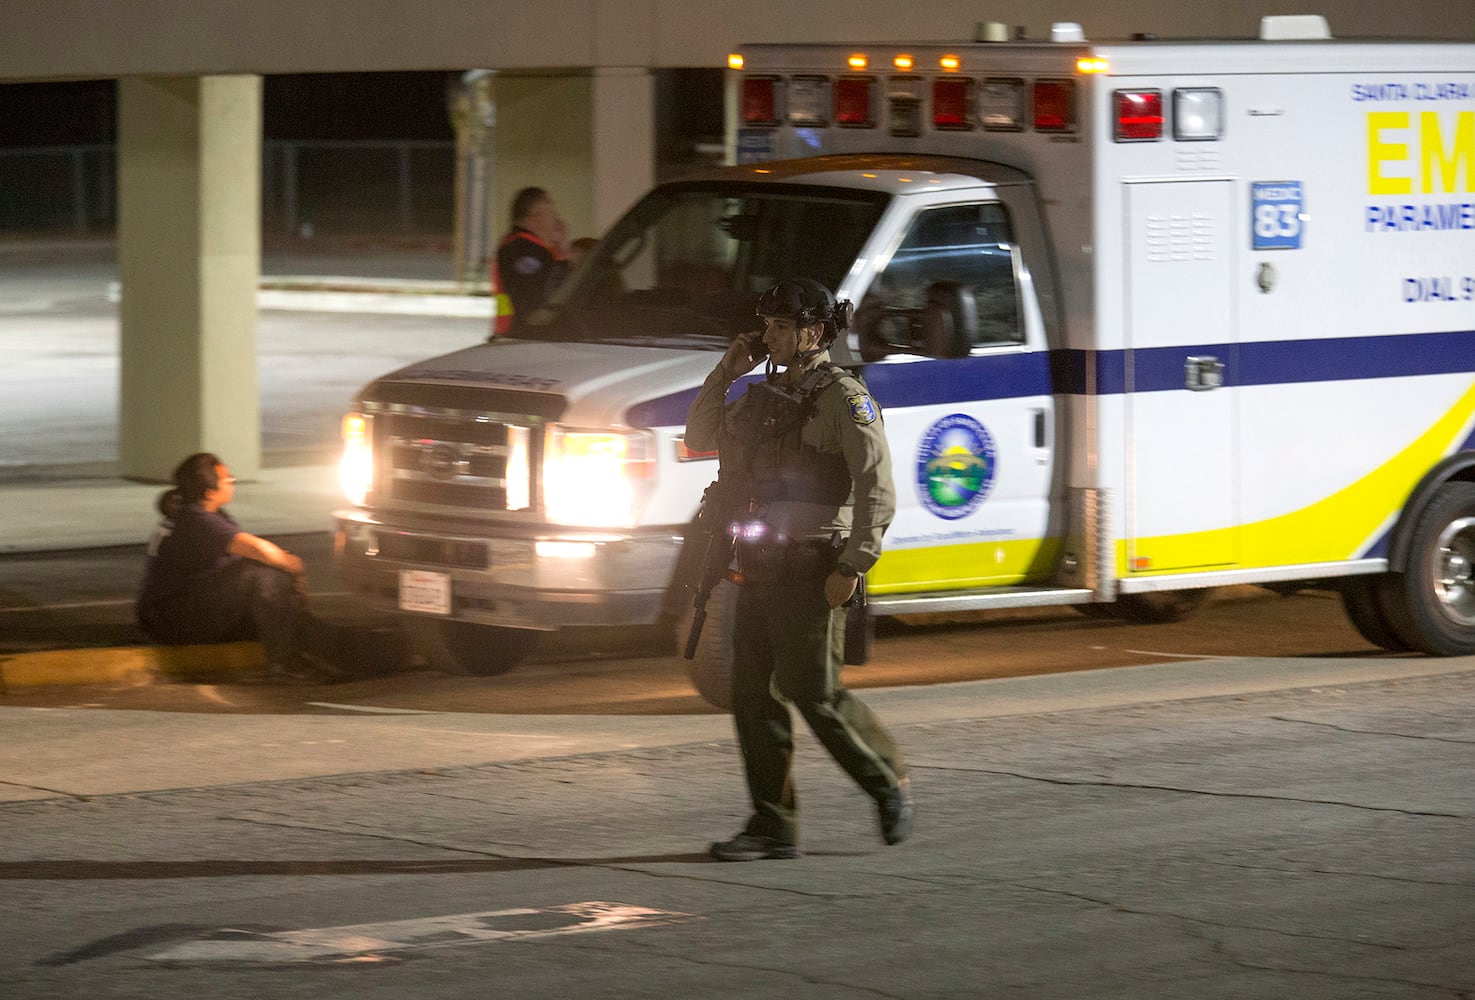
(768, 562)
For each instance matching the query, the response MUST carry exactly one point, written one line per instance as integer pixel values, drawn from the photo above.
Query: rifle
(714, 519)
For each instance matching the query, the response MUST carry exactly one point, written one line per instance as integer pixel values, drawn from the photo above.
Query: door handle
(1202, 373)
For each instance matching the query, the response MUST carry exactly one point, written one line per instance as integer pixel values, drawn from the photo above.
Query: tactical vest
(762, 444)
(502, 311)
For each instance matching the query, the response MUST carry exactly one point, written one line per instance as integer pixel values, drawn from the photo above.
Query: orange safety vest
(501, 301)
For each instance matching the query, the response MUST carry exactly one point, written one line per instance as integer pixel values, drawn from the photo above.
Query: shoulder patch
(862, 409)
(528, 265)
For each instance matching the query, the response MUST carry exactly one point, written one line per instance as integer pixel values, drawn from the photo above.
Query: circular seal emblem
(956, 462)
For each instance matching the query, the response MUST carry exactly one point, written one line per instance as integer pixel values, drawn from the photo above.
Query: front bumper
(545, 579)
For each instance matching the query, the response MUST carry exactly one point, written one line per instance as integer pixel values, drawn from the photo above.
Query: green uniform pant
(788, 648)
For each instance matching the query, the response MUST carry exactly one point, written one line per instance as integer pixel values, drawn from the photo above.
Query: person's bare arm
(249, 546)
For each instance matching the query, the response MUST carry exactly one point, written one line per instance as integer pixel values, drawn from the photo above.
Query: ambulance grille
(455, 462)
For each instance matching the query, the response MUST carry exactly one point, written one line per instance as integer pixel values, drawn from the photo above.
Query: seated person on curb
(208, 581)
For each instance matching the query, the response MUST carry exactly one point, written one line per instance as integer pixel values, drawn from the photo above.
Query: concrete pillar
(623, 140)
(189, 263)
(473, 113)
(543, 140)
(588, 139)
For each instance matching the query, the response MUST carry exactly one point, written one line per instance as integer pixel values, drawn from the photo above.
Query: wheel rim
(1454, 571)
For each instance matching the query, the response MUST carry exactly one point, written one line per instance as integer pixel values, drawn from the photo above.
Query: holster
(860, 628)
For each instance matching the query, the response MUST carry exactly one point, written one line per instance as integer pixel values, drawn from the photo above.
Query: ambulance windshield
(685, 266)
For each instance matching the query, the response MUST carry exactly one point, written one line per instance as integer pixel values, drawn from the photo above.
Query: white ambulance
(1145, 318)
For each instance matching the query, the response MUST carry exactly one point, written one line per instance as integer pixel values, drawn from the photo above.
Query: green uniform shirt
(846, 421)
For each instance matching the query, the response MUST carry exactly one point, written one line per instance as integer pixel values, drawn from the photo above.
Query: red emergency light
(952, 97)
(853, 101)
(1055, 106)
(760, 100)
(1139, 115)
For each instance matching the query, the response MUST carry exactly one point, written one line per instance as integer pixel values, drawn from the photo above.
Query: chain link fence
(326, 187)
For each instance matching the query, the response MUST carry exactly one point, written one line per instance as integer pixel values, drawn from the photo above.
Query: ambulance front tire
(1433, 603)
(458, 647)
(1367, 600)
(1151, 608)
(710, 669)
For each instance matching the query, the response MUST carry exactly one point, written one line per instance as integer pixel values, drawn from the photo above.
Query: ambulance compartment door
(1179, 365)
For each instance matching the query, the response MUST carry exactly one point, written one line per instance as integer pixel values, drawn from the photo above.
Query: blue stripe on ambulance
(1063, 372)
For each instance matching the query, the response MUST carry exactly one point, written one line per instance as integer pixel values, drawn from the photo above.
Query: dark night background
(57, 162)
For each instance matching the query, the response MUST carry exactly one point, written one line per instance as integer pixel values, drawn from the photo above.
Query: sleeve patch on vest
(862, 410)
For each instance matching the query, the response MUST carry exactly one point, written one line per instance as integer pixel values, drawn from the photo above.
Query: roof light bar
(1054, 106)
(853, 101)
(1198, 114)
(808, 101)
(952, 103)
(760, 100)
(1139, 115)
(1001, 105)
(904, 106)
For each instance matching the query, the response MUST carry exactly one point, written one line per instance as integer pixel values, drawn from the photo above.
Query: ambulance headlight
(597, 478)
(356, 466)
(1198, 114)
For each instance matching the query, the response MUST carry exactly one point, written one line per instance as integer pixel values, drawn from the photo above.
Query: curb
(368, 295)
(134, 665)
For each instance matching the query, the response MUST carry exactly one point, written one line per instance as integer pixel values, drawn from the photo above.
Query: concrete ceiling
(78, 39)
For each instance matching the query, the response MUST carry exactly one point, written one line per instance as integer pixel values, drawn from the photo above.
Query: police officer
(530, 260)
(808, 450)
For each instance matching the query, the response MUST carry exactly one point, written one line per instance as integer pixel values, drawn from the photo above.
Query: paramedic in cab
(531, 259)
(809, 451)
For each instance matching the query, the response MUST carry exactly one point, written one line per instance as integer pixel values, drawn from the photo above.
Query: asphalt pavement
(1222, 829)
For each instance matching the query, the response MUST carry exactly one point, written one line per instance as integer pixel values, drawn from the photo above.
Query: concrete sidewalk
(1153, 833)
(56, 513)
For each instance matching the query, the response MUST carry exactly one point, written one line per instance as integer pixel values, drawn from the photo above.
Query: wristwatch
(845, 569)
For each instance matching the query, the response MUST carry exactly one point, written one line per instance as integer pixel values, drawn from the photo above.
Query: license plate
(424, 591)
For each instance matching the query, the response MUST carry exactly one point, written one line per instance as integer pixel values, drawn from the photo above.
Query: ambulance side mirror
(881, 330)
(949, 320)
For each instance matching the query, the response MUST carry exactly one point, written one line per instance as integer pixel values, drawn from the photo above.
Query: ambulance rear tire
(1366, 599)
(458, 647)
(1436, 612)
(710, 669)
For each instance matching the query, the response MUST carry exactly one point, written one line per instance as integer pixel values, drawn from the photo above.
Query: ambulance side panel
(1322, 252)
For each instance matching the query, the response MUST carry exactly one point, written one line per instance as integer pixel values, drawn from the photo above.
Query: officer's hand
(743, 353)
(838, 589)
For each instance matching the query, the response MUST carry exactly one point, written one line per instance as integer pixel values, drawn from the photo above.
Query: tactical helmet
(803, 300)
